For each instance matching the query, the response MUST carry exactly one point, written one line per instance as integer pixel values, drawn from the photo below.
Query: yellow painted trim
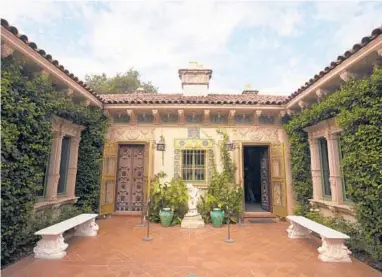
(285, 184)
(150, 170)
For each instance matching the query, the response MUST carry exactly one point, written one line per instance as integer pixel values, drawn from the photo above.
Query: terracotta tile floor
(260, 249)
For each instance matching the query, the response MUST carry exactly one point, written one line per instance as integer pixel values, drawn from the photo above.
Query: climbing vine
(357, 107)
(28, 101)
(222, 191)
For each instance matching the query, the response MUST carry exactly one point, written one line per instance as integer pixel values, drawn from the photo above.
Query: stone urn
(217, 217)
(166, 216)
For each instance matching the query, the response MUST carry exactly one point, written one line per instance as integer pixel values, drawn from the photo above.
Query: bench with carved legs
(332, 249)
(52, 245)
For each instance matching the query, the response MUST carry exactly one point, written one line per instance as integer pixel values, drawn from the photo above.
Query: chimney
(195, 79)
(249, 90)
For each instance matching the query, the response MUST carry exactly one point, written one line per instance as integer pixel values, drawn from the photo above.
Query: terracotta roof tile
(148, 98)
(48, 57)
(356, 47)
(249, 99)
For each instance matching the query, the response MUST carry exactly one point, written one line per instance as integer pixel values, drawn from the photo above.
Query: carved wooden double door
(130, 178)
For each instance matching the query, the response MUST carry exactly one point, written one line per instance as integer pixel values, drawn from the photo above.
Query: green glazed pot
(217, 216)
(166, 216)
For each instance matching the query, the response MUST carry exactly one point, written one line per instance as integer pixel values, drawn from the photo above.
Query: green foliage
(172, 195)
(40, 220)
(120, 83)
(357, 107)
(28, 101)
(222, 191)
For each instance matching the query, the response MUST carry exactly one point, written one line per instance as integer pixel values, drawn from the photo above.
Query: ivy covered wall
(357, 107)
(28, 101)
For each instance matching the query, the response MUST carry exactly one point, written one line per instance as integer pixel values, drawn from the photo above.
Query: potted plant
(217, 217)
(168, 202)
(166, 215)
(223, 193)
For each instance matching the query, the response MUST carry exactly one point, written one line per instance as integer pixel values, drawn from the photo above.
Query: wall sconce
(161, 146)
(229, 145)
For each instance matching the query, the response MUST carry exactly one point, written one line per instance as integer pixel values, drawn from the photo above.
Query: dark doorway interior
(256, 179)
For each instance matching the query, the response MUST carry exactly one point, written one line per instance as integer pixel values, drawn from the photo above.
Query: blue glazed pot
(166, 216)
(217, 217)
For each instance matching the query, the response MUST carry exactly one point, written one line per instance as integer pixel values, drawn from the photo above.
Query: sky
(274, 46)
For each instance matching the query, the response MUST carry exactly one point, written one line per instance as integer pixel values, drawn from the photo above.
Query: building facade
(178, 134)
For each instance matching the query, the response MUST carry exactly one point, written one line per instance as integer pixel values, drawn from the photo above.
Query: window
(42, 188)
(64, 165)
(194, 165)
(345, 190)
(325, 173)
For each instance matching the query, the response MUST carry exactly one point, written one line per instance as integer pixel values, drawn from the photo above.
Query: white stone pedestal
(50, 247)
(192, 222)
(334, 251)
(87, 229)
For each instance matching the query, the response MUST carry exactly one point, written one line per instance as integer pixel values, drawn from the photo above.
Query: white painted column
(335, 168)
(315, 168)
(54, 166)
(72, 170)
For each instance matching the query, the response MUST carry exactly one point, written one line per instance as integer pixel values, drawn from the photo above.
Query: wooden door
(108, 178)
(130, 178)
(278, 182)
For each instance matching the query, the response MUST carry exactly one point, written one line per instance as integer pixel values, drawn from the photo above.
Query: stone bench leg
(296, 231)
(87, 229)
(50, 247)
(334, 250)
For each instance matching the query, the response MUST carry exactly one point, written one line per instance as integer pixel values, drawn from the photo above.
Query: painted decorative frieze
(145, 118)
(194, 118)
(219, 119)
(193, 133)
(130, 133)
(256, 134)
(169, 118)
(193, 143)
(243, 119)
(267, 120)
(121, 118)
(177, 164)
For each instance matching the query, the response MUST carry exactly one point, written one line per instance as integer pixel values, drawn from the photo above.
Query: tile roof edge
(340, 59)
(48, 57)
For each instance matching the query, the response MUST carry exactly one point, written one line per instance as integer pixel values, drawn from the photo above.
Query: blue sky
(274, 46)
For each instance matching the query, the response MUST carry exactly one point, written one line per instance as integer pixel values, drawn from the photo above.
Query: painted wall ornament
(130, 133)
(256, 133)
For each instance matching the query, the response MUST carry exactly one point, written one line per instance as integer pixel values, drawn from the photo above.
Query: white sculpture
(193, 197)
(192, 219)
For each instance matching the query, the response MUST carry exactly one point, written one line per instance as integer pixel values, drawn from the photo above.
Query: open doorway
(256, 179)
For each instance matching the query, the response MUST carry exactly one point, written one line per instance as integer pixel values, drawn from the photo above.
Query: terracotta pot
(166, 216)
(217, 217)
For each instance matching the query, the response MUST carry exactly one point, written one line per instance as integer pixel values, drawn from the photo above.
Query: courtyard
(260, 249)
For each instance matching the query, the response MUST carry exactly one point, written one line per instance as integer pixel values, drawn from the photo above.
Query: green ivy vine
(357, 107)
(28, 101)
(222, 191)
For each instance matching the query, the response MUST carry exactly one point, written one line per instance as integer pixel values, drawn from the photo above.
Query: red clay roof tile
(160, 98)
(211, 98)
(41, 52)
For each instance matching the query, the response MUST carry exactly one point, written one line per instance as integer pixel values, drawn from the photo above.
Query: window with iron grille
(194, 165)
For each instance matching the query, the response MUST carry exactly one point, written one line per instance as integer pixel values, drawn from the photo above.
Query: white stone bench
(52, 245)
(332, 249)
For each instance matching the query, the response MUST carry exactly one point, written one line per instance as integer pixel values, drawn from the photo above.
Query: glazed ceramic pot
(166, 216)
(217, 217)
